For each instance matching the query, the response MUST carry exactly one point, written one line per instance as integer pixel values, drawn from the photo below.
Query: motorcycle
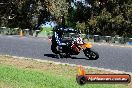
(73, 46)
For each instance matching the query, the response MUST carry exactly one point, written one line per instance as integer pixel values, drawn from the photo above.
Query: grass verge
(46, 31)
(25, 73)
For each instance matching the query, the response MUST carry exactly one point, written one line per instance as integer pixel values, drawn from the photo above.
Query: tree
(107, 17)
(57, 8)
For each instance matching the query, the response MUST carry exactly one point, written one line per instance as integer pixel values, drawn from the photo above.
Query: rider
(57, 35)
(58, 32)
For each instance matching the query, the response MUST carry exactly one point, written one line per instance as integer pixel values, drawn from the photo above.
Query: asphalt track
(111, 57)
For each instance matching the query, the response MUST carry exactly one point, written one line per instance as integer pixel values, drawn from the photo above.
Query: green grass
(45, 31)
(17, 77)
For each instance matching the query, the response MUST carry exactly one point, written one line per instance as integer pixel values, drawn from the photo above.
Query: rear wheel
(91, 54)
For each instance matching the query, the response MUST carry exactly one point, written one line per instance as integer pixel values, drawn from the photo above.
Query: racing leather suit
(57, 39)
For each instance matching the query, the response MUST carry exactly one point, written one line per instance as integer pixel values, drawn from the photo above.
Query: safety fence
(24, 32)
(92, 38)
(108, 39)
(9, 31)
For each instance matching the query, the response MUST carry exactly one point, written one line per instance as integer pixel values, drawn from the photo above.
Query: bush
(9, 31)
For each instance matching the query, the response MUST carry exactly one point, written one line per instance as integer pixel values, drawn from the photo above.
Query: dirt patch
(4, 85)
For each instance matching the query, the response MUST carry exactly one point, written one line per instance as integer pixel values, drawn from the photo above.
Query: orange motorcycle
(73, 44)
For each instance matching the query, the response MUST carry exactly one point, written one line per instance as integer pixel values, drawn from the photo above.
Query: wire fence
(108, 39)
(9, 31)
(91, 38)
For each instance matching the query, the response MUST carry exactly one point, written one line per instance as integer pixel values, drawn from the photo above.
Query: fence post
(96, 38)
(130, 41)
(37, 32)
(27, 32)
(21, 33)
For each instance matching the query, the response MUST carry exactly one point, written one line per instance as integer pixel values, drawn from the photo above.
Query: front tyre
(91, 54)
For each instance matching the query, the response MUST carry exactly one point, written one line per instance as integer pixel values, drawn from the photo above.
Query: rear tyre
(91, 54)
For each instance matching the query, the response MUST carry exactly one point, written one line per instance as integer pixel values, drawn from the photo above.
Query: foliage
(81, 26)
(105, 17)
(112, 18)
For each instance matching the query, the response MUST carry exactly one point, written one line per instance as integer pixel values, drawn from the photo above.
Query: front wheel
(91, 54)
